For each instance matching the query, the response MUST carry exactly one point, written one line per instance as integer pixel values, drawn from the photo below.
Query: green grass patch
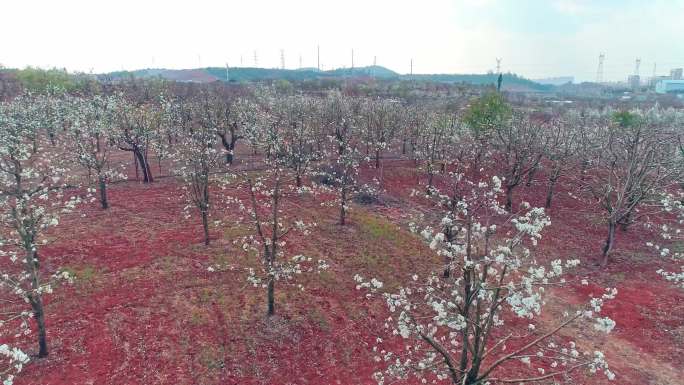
(316, 317)
(376, 228)
(86, 277)
(212, 358)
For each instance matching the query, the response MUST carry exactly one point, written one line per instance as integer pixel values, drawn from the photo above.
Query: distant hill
(511, 82)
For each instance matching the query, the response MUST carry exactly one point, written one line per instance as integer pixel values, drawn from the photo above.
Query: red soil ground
(145, 310)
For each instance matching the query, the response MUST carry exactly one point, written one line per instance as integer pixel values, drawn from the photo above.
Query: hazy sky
(535, 38)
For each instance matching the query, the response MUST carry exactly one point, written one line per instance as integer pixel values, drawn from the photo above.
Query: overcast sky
(535, 38)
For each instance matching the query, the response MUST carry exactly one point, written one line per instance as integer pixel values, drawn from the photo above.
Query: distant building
(676, 73)
(634, 81)
(670, 86)
(654, 80)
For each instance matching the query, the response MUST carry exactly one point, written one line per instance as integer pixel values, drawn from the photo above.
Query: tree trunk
(230, 157)
(298, 180)
(103, 192)
(377, 158)
(583, 171)
(271, 295)
(39, 315)
(610, 240)
(533, 171)
(135, 161)
(343, 212)
(144, 166)
(509, 198)
(205, 226)
(628, 218)
(549, 193)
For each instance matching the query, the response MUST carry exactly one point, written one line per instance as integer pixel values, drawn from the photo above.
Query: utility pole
(411, 70)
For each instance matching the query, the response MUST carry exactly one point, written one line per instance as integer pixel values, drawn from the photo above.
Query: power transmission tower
(282, 59)
(300, 61)
(411, 69)
(599, 71)
(498, 65)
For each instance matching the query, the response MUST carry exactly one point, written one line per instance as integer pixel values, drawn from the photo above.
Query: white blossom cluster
(671, 233)
(12, 361)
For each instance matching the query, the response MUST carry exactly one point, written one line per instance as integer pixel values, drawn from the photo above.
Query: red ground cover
(145, 310)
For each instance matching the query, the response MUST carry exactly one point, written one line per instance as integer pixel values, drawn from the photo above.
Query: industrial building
(670, 86)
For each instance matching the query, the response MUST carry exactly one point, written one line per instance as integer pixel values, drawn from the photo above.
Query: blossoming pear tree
(463, 326)
(341, 116)
(137, 124)
(33, 195)
(268, 212)
(90, 134)
(198, 158)
(638, 159)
